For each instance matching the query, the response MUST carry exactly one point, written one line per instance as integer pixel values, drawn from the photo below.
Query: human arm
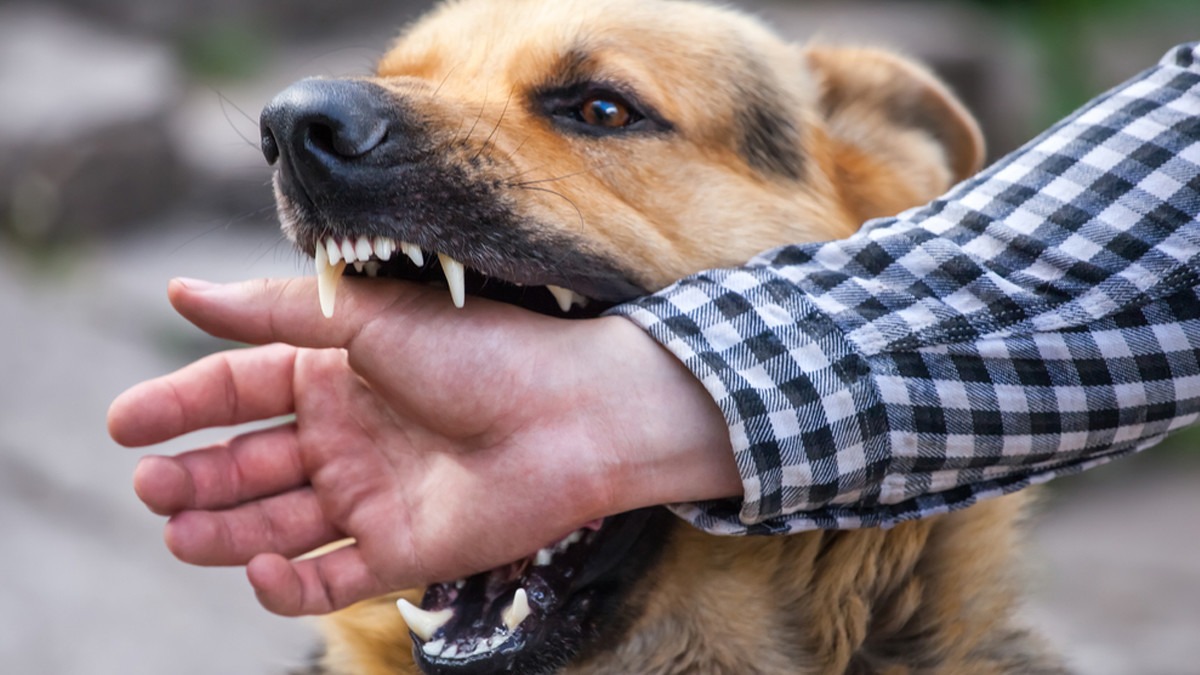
(446, 442)
(1036, 321)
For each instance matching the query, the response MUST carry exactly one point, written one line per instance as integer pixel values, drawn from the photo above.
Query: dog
(567, 155)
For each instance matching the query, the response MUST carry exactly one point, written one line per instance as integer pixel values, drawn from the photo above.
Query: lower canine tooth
(566, 297)
(421, 622)
(328, 277)
(455, 279)
(517, 611)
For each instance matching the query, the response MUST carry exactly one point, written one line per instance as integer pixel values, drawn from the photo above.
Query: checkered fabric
(1040, 319)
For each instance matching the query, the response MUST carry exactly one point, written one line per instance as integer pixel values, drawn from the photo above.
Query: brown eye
(607, 113)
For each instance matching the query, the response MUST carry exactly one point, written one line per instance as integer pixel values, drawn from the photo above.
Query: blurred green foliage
(1056, 30)
(224, 51)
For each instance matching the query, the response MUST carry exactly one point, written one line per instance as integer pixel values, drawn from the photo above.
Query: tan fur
(876, 134)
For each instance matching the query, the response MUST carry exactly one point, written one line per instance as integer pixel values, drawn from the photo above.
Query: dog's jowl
(566, 155)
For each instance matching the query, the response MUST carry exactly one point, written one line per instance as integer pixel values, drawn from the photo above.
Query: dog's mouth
(377, 256)
(534, 615)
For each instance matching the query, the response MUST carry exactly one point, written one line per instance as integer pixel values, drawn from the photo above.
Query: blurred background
(128, 155)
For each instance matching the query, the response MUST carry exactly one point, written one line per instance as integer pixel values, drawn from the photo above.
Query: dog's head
(565, 155)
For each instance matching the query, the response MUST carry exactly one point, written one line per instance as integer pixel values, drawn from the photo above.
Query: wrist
(667, 441)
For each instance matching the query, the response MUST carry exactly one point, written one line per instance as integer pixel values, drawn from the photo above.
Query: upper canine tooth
(455, 279)
(414, 253)
(333, 251)
(363, 249)
(517, 611)
(383, 248)
(348, 251)
(566, 297)
(421, 622)
(327, 280)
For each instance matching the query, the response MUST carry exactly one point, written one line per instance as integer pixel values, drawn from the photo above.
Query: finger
(287, 310)
(289, 524)
(241, 385)
(314, 586)
(250, 466)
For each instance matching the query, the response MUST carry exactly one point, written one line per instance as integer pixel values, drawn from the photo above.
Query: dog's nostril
(346, 138)
(270, 147)
(321, 137)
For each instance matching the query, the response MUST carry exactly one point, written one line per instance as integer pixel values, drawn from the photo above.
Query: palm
(444, 442)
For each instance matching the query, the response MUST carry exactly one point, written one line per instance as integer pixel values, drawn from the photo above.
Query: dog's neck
(862, 601)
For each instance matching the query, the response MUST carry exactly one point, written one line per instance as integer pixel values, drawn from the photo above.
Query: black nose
(320, 128)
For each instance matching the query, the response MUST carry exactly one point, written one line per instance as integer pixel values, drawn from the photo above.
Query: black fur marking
(768, 138)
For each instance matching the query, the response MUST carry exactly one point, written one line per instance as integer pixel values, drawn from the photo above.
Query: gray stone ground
(86, 588)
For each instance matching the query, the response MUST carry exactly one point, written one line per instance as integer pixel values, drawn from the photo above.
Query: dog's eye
(607, 112)
(592, 109)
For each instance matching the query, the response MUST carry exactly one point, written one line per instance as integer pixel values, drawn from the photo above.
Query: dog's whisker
(499, 121)
(561, 196)
(482, 109)
(551, 180)
(224, 101)
(512, 154)
(444, 80)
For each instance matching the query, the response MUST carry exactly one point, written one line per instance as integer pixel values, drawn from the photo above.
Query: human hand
(445, 442)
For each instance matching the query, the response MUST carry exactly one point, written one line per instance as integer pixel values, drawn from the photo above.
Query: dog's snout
(318, 127)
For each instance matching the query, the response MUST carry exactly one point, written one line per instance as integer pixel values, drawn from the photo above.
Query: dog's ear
(898, 133)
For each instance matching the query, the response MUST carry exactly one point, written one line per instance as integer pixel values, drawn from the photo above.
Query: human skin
(445, 442)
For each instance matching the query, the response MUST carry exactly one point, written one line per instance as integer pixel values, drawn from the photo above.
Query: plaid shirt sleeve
(1040, 319)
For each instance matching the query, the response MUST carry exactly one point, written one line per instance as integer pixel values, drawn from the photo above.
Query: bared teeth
(366, 255)
(333, 251)
(414, 253)
(421, 622)
(518, 611)
(363, 249)
(566, 297)
(328, 277)
(455, 278)
(348, 252)
(384, 248)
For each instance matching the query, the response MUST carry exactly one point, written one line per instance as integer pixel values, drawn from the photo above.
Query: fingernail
(198, 285)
